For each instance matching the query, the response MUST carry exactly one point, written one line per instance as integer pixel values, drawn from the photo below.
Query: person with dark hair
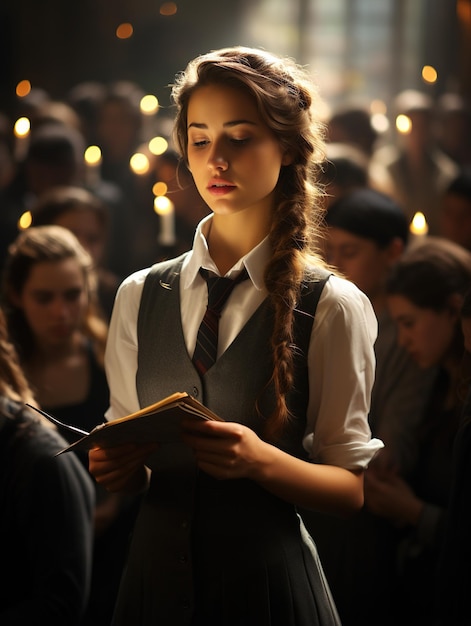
(425, 290)
(218, 540)
(367, 233)
(351, 124)
(455, 210)
(46, 510)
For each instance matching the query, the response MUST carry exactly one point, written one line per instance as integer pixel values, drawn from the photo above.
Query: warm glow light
(22, 127)
(149, 105)
(162, 205)
(168, 8)
(158, 145)
(23, 88)
(160, 188)
(124, 31)
(429, 74)
(139, 163)
(463, 10)
(378, 107)
(92, 155)
(403, 124)
(25, 221)
(419, 225)
(380, 122)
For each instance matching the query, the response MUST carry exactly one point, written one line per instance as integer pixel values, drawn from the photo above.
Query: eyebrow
(226, 125)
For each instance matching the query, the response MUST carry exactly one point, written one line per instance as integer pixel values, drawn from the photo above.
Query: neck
(233, 236)
(45, 352)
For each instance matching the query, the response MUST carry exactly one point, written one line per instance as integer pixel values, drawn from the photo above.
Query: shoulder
(342, 302)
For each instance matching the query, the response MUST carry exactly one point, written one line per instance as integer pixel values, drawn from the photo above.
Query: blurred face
(426, 334)
(234, 157)
(359, 259)
(455, 220)
(88, 229)
(54, 301)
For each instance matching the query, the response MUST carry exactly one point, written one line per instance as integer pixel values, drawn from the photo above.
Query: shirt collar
(255, 261)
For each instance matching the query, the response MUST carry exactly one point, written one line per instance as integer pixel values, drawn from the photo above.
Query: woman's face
(426, 334)
(361, 260)
(234, 157)
(54, 301)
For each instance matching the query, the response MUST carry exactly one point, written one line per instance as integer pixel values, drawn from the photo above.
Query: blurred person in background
(425, 290)
(454, 572)
(49, 294)
(81, 212)
(46, 510)
(366, 234)
(455, 210)
(419, 171)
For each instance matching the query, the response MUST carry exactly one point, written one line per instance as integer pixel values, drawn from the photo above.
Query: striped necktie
(219, 290)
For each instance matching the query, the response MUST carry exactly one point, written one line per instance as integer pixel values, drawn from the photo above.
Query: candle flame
(419, 224)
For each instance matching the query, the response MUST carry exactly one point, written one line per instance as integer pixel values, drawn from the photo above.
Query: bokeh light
(139, 163)
(403, 124)
(124, 31)
(149, 105)
(158, 145)
(23, 88)
(160, 188)
(22, 127)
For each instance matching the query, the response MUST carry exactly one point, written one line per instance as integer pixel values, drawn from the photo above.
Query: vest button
(195, 392)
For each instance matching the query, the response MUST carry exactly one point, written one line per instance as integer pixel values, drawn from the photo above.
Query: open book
(159, 422)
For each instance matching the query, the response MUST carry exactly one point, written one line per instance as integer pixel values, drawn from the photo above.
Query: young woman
(218, 539)
(46, 506)
(49, 291)
(425, 290)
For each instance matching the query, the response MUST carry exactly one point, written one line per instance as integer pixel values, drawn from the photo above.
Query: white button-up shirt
(341, 358)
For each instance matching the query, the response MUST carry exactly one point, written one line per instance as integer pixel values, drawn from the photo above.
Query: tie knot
(219, 289)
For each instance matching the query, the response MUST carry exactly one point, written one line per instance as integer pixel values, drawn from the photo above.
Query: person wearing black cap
(367, 232)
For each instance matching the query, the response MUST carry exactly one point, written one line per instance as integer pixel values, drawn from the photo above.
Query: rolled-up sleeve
(341, 374)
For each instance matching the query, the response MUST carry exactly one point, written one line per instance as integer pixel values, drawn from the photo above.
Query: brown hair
(286, 101)
(48, 244)
(13, 383)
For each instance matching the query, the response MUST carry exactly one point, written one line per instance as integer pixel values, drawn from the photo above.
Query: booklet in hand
(159, 422)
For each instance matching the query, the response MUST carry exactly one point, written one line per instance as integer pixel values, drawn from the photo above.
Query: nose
(59, 308)
(217, 158)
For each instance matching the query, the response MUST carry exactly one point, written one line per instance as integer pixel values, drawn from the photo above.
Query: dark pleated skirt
(244, 560)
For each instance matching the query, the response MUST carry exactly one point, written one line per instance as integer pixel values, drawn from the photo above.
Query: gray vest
(239, 380)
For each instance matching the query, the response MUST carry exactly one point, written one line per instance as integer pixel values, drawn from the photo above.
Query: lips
(219, 186)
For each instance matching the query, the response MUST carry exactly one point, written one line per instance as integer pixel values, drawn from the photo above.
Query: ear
(287, 158)
(395, 250)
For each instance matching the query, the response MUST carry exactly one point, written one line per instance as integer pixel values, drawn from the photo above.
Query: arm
(229, 450)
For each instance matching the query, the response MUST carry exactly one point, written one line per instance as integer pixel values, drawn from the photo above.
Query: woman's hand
(228, 450)
(224, 450)
(121, 468)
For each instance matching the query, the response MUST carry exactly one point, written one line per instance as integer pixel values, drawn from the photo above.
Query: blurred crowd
(71, 231)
